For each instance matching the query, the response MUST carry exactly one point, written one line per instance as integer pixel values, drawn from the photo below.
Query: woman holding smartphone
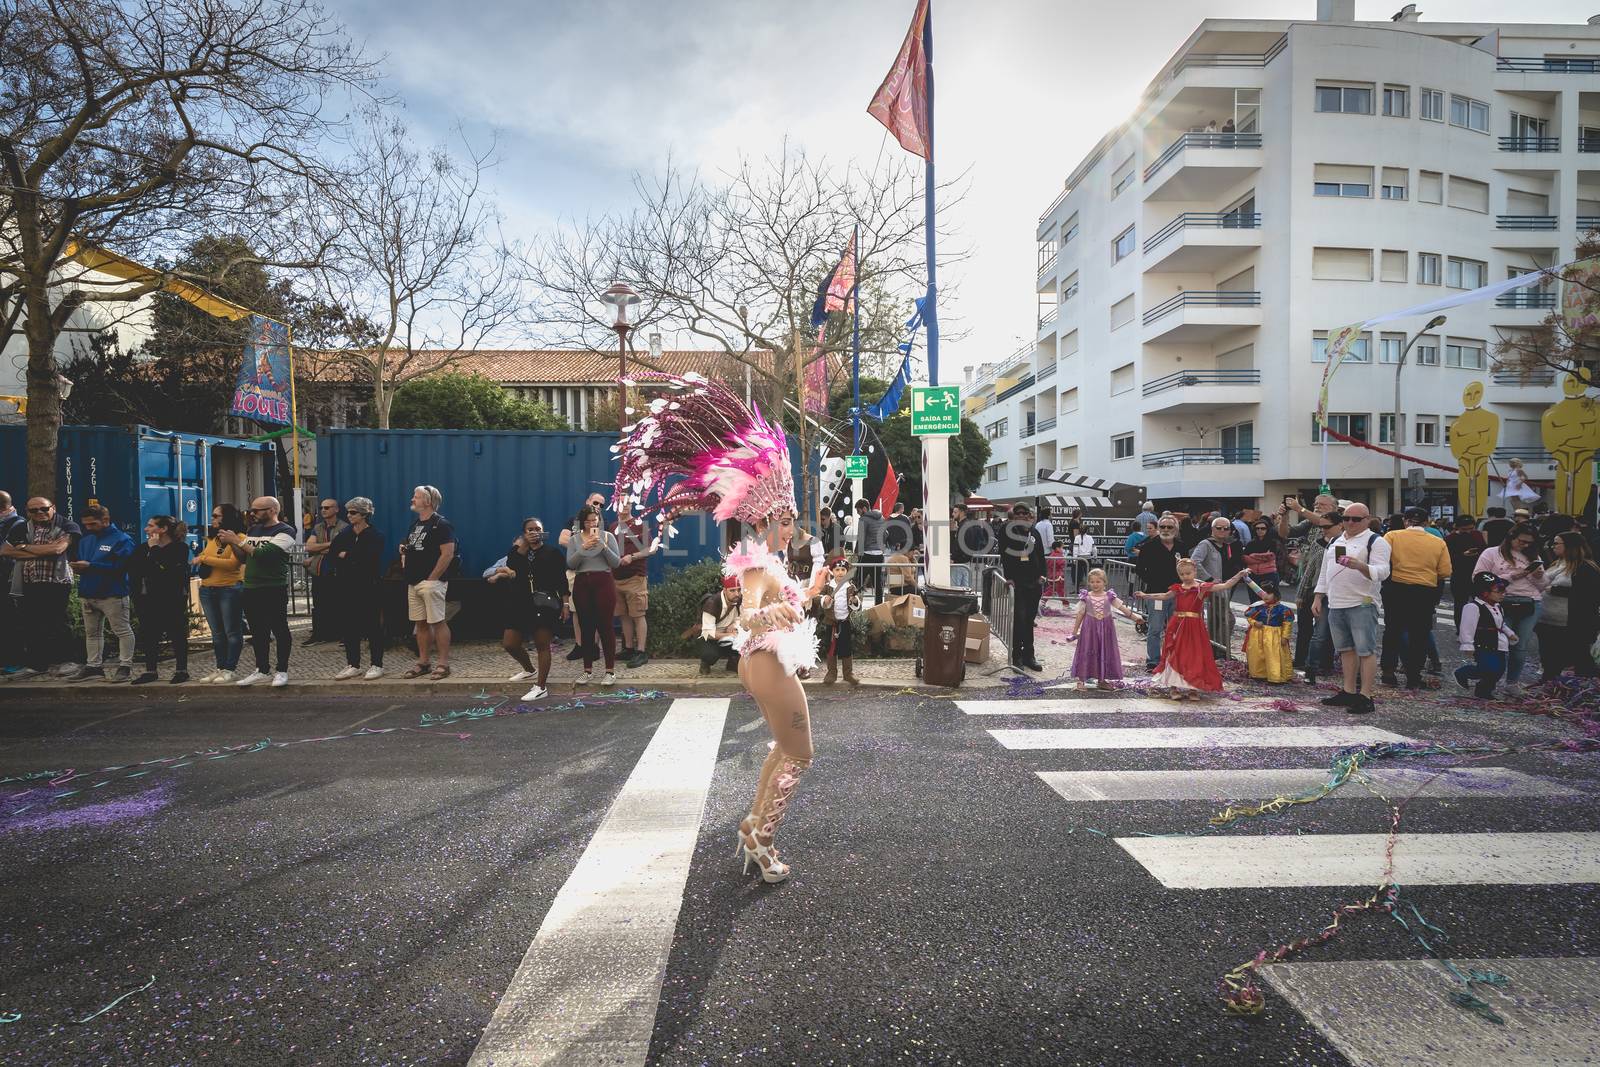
(1516, 560)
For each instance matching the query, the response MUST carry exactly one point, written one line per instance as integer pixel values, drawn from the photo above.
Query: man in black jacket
(1022, 561)
(1156, 561)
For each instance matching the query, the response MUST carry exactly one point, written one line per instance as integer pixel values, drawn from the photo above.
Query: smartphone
(1291, 500)
(1338, 552)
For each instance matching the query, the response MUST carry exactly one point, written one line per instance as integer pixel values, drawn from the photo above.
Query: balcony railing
(1526, 298)
(1027, 431)
(1047, 318)
(1210, 220)
(1247, 376)
(1545, 65)
(1178, 457)
(1015, 389)
(1530, 144)
(1202, 140)
(1525, 222)
(1025, 481)
(1589, 222)
(1526, 453)
(1048, 265)
(1044, 425)
(1225, 298)
(1046, 371)
(1532, 377)
(1244, 60)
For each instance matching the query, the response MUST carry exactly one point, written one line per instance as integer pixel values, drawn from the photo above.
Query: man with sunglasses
(1312, 650)
(41, 547)
(1156, 561)
(1347, 592)
(320, 566)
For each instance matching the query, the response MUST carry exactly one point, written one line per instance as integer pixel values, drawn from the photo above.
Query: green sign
(935, 410)
(855, 467)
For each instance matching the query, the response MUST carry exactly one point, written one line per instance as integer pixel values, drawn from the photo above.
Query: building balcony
(1047, 319)
(1201, 390)
(1026, 432)
(1202, 166)
(1532, 455)
(1196, 242)
(1589, 222)
(1547, 65)
(1047, 271)
(1183, 457)
(1046, 371)
(1201, 316)
(1526, 298)
(1044, 425)
(1532, 386)
(1525, 222)
(1530, 144)
(1014, 388)
(1025, 481)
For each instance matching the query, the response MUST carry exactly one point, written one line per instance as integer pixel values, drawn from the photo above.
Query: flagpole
(935, 450)
(855, 337)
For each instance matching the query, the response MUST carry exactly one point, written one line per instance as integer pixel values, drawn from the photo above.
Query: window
(1345, 99)
(1449, 421)
(1390, 345)
(995, 472)
(1427, 351)
(1467, 355)
(1122, 179)
(1432, 105)
(1386, 435)
(1427, 430)
(1529, 126)
(1430, 187)
(1347, 424)
(1069, 288)
(1469, 195)
(1393, 268)
(1067, 458)
(1069, 345)
(1122, 247)
(1122, 446)
(1469, 113)
(1122, 312)
(1359, 351)
(1336, 179)
(1342, 264)
(1428, 268)
(1465, 273)
(1238, 443)
(996, 430)
(1396, 100)
(1070, 231)
(1122, 379)
(1069, 401)
(1394, 183)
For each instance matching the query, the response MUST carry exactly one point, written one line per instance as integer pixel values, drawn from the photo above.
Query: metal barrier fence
(999, 607)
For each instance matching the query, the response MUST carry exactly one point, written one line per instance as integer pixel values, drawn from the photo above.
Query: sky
(579, 95)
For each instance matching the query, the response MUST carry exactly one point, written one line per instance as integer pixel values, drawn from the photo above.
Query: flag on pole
(834, 292)
(901, 102)
(262, 390)
(1339, 344)
(889, 493)
(816, 378)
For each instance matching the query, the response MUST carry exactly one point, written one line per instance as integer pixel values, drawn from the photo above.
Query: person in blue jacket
(102, 569)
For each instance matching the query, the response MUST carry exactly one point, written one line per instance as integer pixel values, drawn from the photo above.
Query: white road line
(1483, 783)
(369, 718)
(587, 990)
(1196, 737)
(1391, 1013)
(1103, 706)
(1357, 859)
(108, 718)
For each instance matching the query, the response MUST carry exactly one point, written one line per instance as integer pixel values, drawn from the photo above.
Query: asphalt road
(368, 900)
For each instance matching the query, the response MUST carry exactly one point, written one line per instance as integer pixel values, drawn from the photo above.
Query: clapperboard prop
(1091, 495)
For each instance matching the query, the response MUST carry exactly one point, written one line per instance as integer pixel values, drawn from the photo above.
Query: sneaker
(1511, 689)
(373, 673)
(252, 678)
(223, 677)
(146, 678)
(575, 654)
(84, 673)
(280, 679)
(346, 674)
(538, 692)
(1464, 683)
(123, 674)
(609, 679)
(63, 669)
(523, 676)
(1361, 705)
(24, 674)
(178, 678)
(1340, 699)
(586, 677)
(638, 659)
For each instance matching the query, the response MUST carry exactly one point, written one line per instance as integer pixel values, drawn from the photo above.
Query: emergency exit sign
(935, 410)
(855, 467)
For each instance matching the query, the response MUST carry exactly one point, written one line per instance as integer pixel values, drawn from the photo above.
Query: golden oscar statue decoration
(1472, 441)
(1571, 435)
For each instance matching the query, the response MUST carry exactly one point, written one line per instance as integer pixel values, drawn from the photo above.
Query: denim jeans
(1158, 612)
(1521, 617)
(224, 610)
(1485, 669)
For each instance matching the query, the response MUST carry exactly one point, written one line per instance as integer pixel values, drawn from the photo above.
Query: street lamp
(1433, 324)
(621, 297)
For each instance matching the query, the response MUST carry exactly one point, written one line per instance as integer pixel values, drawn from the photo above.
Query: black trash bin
(944, 634)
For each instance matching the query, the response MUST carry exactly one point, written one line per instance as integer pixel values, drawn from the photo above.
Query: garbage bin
(944, 634)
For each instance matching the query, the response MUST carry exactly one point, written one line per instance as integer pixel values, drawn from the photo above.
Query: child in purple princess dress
(1098, 655)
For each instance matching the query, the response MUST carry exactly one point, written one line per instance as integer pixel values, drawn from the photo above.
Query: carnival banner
(1580, 295)
(262, 389)
(1339, 344)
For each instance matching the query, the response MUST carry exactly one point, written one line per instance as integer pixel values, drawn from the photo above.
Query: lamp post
(621, 297)
(1433, 324)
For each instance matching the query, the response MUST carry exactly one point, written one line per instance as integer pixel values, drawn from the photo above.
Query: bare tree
(137, 126)
(1555, 345)
(422, 275)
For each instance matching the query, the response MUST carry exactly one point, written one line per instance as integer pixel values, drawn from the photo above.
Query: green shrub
(675, 605)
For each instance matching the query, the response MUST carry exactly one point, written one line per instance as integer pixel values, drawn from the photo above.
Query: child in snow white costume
(735, 464)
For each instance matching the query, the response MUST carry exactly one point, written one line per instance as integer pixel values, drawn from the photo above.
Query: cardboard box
(909, 611)
(977, 639)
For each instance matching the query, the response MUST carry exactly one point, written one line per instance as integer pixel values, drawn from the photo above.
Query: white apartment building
(1279, 180)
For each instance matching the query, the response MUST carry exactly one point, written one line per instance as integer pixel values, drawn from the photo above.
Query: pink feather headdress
(730, 460)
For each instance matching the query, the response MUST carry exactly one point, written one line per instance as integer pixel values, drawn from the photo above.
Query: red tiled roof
(543, 366)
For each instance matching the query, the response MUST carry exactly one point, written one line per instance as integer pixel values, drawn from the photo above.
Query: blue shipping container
(141, 472)
(491, 481)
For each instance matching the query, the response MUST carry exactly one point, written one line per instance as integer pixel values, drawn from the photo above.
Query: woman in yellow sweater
(221, 577)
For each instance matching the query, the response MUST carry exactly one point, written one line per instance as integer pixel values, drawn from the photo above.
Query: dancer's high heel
(765, 857)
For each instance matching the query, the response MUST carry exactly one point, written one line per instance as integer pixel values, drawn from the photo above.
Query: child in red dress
(1187, 667)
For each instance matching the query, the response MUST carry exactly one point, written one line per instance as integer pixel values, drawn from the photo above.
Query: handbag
(546, 603)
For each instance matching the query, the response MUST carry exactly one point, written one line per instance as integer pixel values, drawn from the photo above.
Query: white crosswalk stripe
(1332, 737)
(1223, 786)
(1103, 706)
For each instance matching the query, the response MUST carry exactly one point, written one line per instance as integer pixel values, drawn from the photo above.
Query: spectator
(802, 552)
(1516, 560)
(919, 533)
(596, 501)
(427, 556)
(719, 623)
(534, 597)
(1022, 560)
(1570, 617)
(1483, 632)
(1156, 561)
(41, 547)
(1147, 516)
(1495, 527)
(1347, 591)
(320, 567)
(1241, 528)
(1047, 532)
(1313, 647)
(830, 532)
(158, 571)
(1550, 523)
(1081, 550)
(102, 569)
(267, 548)
(869, 548)
(1464, 544)
(10, 634)
(221, 593)
(837, 601)
(1324, 505)
(593, 554)
(1261, 552)
(959, 553)
(1190, 532)
(633, 580)
(1216, 559)
(1139, 536)
(356, 554)
(1419, 565)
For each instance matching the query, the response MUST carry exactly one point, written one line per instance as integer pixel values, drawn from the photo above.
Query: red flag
(816, 379)
(890, 492)
(901, 102)
(844, 280)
